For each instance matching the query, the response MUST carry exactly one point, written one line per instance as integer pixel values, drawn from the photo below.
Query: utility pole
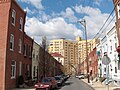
(84, 24)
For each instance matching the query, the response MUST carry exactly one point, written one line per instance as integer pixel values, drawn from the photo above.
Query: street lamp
(84, 24)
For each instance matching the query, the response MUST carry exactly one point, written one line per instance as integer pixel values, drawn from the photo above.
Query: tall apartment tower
(68, 49)
(82, 48)
(74, 52)
(15, 45)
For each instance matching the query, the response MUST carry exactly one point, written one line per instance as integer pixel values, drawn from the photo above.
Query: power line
(107, 25)
(105, 22)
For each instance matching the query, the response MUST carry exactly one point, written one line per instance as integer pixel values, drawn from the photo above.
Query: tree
(44, 59)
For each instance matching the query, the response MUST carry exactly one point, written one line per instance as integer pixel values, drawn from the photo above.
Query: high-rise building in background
(74, 52)
(67, 49)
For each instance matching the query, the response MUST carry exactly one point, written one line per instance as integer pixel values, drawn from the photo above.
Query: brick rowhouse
(14, 44)
(117, 12)
(93, 63)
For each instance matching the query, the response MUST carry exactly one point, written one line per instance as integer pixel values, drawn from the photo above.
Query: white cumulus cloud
(36, 3)
(94, 19)
(54, 28)
(69, 14)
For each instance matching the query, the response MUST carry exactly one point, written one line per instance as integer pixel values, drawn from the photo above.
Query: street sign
(106, 60)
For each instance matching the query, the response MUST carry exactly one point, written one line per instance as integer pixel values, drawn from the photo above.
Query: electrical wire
(105, 22)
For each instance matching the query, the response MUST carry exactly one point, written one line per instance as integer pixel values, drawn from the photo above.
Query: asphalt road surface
(75, 84)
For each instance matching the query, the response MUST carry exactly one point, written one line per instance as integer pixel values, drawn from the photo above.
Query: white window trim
(13, 17)
(11, 35)
(20, 68)
(20, 46)
(21, 22)
(13, 77)
(25, 50)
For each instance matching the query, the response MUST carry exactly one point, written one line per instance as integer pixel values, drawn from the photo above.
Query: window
(20, 45)
(115, 39)
(115, 69)
(21, 23)
(28, 70)
(13, 17)
(30, 51)
(11, 42)
(115, 45)
(25, 50)
(37, 57)
(104, 69)
(13, 69)
(34, 71)
(119, 10)
(20, 68)
(111, 48)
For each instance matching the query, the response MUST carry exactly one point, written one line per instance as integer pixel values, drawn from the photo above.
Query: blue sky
(58, 18)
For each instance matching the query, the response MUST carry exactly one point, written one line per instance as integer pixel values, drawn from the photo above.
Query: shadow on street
(66, 84)
(116, 89)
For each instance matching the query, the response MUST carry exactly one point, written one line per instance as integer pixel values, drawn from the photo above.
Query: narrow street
(75, 84)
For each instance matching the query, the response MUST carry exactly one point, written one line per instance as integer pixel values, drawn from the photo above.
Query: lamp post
(84, 24)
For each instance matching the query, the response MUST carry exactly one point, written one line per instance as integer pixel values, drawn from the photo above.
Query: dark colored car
(59, 80)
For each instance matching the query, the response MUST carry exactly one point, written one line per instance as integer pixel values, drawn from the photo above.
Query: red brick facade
(7, 56)
(116, 2)
(93, 63)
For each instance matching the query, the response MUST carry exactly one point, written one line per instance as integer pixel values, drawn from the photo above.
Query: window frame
(12, 41)
(21, 24)
(13, 17)
(25, 50)
(20, 46)
(115, 69)
(13, 67)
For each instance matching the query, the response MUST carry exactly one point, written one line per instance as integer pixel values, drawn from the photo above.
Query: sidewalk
(24, 89)
(100, 86)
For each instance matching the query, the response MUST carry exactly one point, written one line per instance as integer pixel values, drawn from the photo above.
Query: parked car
(107, 81)
(81, 76)
(59, 80)
(53, 82)
(46, 83)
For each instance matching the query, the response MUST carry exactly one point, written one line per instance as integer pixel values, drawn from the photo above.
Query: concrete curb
(87, 84)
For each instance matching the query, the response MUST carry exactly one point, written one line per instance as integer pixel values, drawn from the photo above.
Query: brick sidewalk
(100, 86)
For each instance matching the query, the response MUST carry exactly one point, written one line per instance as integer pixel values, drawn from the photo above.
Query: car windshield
(46, 80)
(57, 78)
